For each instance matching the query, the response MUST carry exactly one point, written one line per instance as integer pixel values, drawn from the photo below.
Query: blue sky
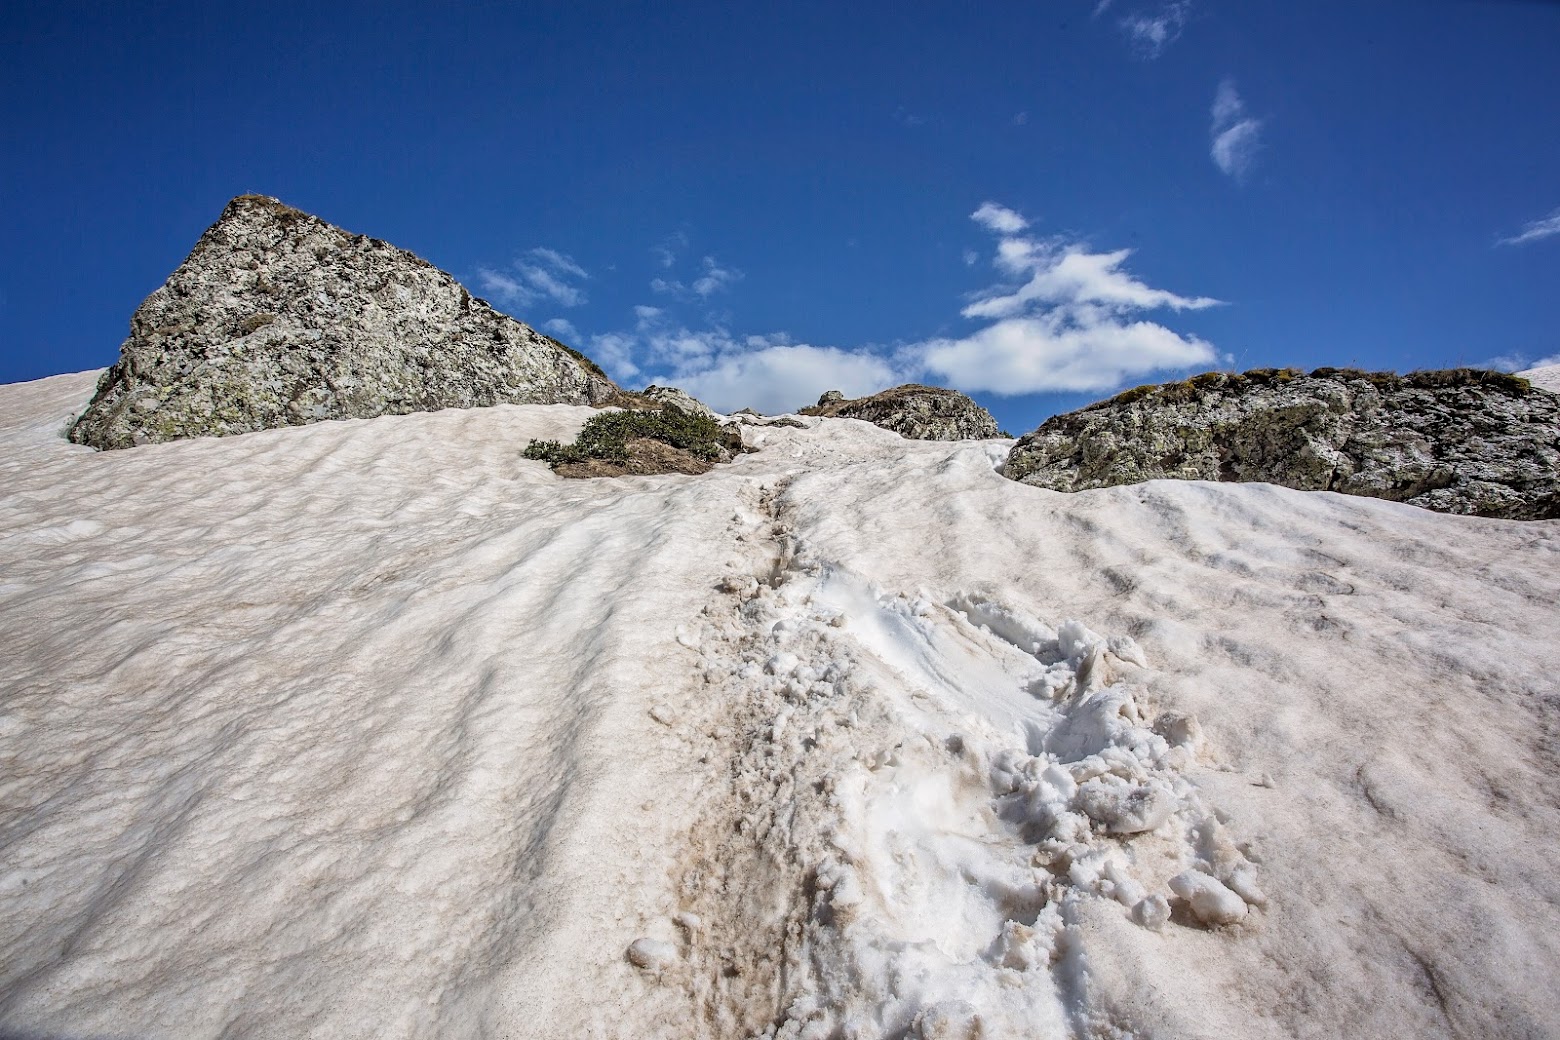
(1039, 203)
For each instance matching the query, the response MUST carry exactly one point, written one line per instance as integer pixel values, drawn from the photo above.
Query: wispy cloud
(670, 248)
(1234, 136)
(712, 279)
(715, 277)
(541, 274)
(1066, 319)
(1151, 33)
(1535, 230)
(904, 117)
(561, 327)
(1518, 362)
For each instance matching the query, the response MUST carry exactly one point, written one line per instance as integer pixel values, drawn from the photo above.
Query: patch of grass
(1511, 384)
(606, 437)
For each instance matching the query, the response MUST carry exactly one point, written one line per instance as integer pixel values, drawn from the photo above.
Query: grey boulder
(924, 413)
(679, 399)
(1458, 441)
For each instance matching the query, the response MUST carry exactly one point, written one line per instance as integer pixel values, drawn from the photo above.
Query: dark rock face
(923, 413)
(1459, 441)
(277, 318)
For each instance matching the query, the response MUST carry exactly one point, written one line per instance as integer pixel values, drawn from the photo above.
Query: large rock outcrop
(923, 413)
(671, 396)
(1458, 441)
(277, 318)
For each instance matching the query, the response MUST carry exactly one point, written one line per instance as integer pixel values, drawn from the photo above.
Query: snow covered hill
(374, 728)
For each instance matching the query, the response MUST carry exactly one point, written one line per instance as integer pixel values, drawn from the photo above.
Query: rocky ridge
(924, 413)
(1457, 441)
(277, 318)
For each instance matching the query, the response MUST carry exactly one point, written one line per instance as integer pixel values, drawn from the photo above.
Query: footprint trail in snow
(944, 783)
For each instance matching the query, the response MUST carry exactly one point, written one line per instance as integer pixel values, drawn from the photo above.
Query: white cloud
(1052, 353)
(562, 327)
(906, 118)
(1068, 321)
(1064, 318)
(1234, 136)
(1100, 8)
(1068, 274)
(769, 373)
(542, 274)
(970, 257)
(1020, 118)
(782, 377)
(1150, 34)
(1534, 230)
(998, 218)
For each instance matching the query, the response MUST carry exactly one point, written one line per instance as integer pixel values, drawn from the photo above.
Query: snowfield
(374, 728)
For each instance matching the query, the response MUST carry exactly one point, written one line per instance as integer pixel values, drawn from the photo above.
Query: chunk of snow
(1211, 902)
(1152, 912)
(651, 955)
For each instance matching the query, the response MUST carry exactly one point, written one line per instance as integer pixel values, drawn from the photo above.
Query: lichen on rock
(1456, 441)
(926, 413)
(277, 318)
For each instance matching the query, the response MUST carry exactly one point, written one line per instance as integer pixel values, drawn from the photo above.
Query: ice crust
(375, 728)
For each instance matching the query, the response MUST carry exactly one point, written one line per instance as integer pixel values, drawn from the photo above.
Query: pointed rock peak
(278, 318)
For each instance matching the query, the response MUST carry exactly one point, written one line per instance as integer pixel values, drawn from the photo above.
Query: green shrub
(605, 436)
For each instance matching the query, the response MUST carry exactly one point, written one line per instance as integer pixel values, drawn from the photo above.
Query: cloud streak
(1535, 231)
(542, 274)
(1234, 136)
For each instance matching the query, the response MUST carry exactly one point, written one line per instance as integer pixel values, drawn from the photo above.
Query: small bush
(606, 436)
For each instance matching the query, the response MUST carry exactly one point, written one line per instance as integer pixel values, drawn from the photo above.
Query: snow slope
(375, 728)
(1547, 376)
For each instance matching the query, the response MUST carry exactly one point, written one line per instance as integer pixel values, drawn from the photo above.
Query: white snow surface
(374, 728)
(1546, 376)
